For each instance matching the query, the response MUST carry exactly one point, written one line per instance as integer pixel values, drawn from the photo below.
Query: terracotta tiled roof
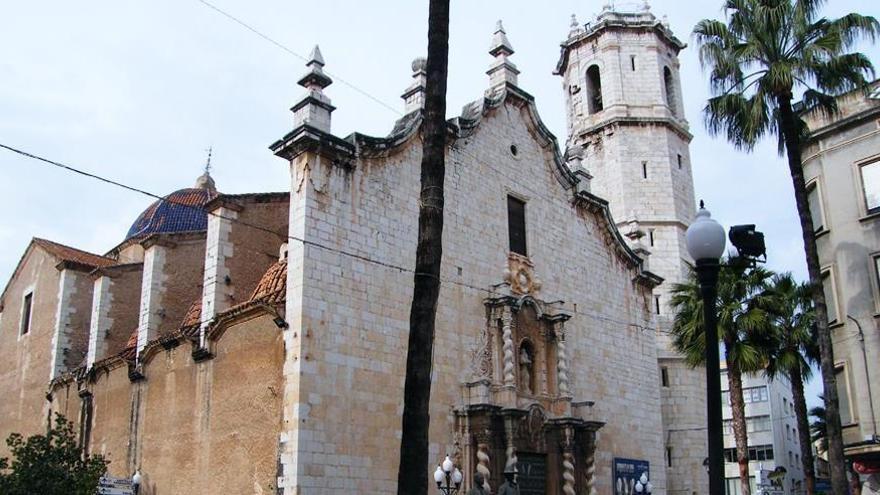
(273, 286)
(130, 350)
(192, 319)
(71, 254)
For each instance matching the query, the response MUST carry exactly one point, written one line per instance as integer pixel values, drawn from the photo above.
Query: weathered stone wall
(684, 417)
(257, 249)
(349, 318)
(636, 148)
(113, 396)
(245, 233)
(114, 312)
(25, 360)
(70, 339)
(172, 281)
(191, 427)
(66, 401)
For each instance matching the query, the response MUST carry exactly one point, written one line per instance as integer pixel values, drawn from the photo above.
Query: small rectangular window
(679, 161)
(644, 170)
(871, 185)
(664, 376)
(26, 313)
(651, 237)
(830, 297)
(516, 225)
(632, 61)
(877, 269)
(843, 395)
(657, 304)
(814, 201)
(668, 456)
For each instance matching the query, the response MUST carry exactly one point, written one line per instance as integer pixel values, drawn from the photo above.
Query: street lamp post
(448, 473)
(643, 485)
(705, 243)
(136, 482)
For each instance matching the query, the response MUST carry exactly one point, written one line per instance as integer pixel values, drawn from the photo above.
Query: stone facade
(592, 393)
(41, 342)
(112, 319)
(627, 129)
(842, 153)
(266, 333)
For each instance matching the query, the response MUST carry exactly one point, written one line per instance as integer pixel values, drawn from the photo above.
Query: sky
(137, 91)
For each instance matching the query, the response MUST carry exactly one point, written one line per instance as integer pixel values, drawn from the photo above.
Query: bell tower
(626, 124)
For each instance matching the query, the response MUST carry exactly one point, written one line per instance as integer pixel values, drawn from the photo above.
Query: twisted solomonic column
(590, 470)
(568, 473)
(507, 347)
(483, 463)
(561, 363)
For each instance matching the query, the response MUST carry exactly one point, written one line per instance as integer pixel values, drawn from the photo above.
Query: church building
(256, 343)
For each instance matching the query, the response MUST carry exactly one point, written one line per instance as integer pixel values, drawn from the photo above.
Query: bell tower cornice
(613, 21)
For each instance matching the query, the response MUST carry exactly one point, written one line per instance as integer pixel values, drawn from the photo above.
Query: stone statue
(525, 370)
(479, 483)
(510, 486)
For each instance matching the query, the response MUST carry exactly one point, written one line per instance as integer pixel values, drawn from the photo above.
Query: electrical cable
(306, 242)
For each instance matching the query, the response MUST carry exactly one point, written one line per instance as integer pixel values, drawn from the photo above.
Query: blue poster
(626, 472)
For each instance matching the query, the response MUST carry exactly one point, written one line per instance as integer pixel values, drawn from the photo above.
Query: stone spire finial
(205, 181)
(315, 78)
(502, 71)
(646, 6)
(500, 41)
(314, 108)
(414, 96)
(315, 57)
(574, 26)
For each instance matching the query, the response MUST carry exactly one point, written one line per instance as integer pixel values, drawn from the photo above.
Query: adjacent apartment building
(772, 431)
(842, 169)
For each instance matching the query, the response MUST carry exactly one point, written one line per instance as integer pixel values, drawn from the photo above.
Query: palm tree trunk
(791, 134)
(803, 424)
(412, 474)
(738, 407)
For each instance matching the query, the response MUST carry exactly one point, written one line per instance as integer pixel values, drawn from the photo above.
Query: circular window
(513, 150)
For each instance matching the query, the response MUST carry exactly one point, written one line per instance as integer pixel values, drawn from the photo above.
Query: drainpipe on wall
(867, 376)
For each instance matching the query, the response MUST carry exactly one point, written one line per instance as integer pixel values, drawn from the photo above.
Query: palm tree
(743, 328)
(412, 477)
(767, 53)
(792, 351)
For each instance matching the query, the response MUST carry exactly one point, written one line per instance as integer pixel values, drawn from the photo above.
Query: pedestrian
(510, 486)
(479, 485)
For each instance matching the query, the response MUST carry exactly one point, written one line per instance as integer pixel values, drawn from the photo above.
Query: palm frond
(853, 27)
(767, 51)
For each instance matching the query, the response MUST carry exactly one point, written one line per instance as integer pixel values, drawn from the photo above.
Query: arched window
(670, 91)
(594, 90)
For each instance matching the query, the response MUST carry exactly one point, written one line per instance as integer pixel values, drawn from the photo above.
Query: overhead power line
(491, 166)
(295, 54)
(306, 242)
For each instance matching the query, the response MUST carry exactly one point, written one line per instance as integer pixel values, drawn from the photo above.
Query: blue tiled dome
(180, 211)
